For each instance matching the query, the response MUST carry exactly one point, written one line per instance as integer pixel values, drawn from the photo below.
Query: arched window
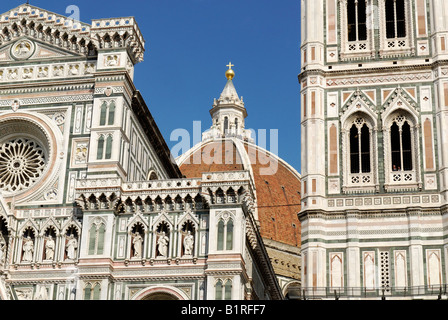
(88, 291)
(401, 159)
(109, 141)
(226, 124)
(100, 150)
(92, 292)
(223, 290)
(104, 150)
(229, 235)
(221, 235)
(354, 150)
(228, 290)
(236, 124)
(359, 154)
(100, 242)
(401, 145)
(107, 114)
(96, 239)
(218, 290)
(111, 119)
(357, 20)
(360, 147)
(225, 235)
(395, 19)
(103, 114)
(96, 291)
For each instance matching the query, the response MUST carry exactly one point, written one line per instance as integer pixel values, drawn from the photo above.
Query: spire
(229, 94)
(228, 113)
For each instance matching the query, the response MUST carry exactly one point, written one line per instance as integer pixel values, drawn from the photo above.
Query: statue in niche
(74, 70)
(58, 71)
(90, 68)
(49, 248)
(28, 249)
(188, 244)
(27, 73)
(162, 244)
(2, 249)
(71, 247)
(137, 242)
(43, 72)
(13, 74)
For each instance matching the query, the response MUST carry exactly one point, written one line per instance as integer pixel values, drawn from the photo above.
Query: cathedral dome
(277, 184)
(228, 147)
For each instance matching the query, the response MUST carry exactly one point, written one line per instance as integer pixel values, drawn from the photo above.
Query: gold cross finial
(230, 73)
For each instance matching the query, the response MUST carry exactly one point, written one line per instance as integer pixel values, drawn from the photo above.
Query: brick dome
(277, 184)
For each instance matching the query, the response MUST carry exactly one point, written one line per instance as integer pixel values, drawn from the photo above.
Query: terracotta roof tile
(278, 191)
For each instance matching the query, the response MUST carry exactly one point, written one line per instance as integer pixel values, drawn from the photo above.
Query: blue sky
(188, 45)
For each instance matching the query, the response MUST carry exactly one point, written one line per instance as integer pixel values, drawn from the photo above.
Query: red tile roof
(277, 184)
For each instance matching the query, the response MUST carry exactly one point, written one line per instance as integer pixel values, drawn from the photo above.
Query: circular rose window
(22, 163)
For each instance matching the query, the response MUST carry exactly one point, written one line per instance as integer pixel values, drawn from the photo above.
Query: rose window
(22, 163)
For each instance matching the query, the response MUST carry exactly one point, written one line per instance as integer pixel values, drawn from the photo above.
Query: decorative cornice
(70, 35)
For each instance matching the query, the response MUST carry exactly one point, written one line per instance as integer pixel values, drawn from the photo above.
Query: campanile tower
(374, 115)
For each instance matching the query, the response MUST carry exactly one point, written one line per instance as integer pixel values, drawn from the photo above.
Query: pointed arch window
(402, 160)
(229, 235)
(109, 142)
(359, 154)
(401, 145)
(100, 150)
(218, 290)
(221, 235)
(225, 235)
(223, 290)
(107, 113)
(228, 290)
(88, 291)
(92, 291)
(103, 114)
(111, 119)
(226, 124)
(360, 147)
(104, 150)
(96, 239)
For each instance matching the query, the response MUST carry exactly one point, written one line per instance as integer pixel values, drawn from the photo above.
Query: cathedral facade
(374, 94)
(92, 205)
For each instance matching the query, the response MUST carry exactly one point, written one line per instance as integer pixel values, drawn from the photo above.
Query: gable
(29, 49)
(67, 34)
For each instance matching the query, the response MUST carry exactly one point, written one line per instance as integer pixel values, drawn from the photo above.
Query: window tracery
(359, 154)
(22, 163)
(223, 289)
(356, 36)
(225, 234)
(401, 152)
(395, 28)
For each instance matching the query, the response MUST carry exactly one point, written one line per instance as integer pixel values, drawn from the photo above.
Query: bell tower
(373, 117)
